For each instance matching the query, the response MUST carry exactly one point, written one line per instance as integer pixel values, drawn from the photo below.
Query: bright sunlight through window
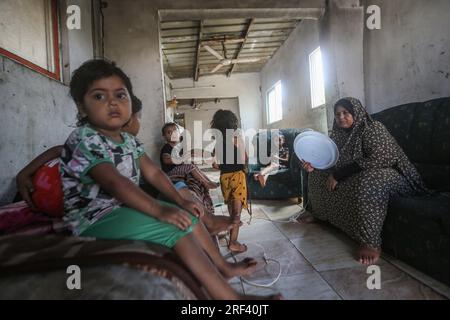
(316, 78)
(274, 104)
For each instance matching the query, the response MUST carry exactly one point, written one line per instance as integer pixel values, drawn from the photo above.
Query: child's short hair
(224, 119)
(168, 125)
(89, 72)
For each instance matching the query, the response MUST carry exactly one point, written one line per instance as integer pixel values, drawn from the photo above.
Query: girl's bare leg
(214, 224)
(264, 174)
(269, 169)
(235, 208)
(190, 252)
(228, 269)
(203, 179)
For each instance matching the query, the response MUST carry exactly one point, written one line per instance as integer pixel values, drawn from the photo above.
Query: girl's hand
(307, 166)
(25, 186)
(331, 183)
(194, 208)
(175, 216)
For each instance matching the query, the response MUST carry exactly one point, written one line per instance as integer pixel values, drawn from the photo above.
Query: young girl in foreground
(233, 180)
(100, 168)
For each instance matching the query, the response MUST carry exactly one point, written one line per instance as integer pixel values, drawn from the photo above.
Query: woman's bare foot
(306, 218)
(242, 268)
(368, 255)
(218, 224)
(236, 247)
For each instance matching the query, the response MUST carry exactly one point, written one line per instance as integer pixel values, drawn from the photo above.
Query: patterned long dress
(358, 205)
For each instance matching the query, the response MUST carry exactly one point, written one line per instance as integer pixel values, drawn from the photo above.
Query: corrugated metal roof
(230, 38)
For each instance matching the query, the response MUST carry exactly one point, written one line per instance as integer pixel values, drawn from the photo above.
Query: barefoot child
(278, 161)
(196, 182)
(232, 176)
(100, 169)
(172, 136)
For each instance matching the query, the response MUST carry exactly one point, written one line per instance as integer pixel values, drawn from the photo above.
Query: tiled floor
(317, 261)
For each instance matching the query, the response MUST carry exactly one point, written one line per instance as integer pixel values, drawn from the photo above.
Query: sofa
(417, 229)
(108, 269)
(36, 250)
(285, 183)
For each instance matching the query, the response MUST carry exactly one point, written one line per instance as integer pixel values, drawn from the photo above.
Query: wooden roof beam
(247, 31)
(197, 58)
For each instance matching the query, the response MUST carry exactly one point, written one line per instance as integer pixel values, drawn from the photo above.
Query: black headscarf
(371, 146)
(346, 104)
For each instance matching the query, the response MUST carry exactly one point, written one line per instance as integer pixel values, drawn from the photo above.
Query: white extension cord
(292, 219)
(266, 260)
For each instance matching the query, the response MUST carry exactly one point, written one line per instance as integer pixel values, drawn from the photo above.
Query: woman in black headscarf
(354, 195)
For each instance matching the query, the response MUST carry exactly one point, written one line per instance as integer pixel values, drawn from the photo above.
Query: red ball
(48, 195)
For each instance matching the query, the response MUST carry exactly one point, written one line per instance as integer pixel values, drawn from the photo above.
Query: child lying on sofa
(278, 161)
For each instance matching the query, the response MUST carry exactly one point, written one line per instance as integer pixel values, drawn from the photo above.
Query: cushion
(423, 132)
(417, 230)
(440, 142)
(48, 195)
(436, 177)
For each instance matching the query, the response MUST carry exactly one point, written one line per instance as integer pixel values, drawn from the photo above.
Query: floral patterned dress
(358, 205)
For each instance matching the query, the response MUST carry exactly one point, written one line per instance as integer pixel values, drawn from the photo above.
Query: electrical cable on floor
(266, 260)
(293, 219)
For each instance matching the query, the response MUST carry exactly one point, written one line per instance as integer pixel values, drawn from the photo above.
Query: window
(274, 104)
(316, 78)
(29, 34)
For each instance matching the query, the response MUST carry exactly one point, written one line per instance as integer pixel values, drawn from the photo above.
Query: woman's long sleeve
(346, 171)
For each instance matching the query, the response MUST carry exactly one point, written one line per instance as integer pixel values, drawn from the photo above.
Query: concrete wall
(83, 50)
(205, 115)
(291, 65)
(134, 45)
(409, 58)
(237, 4)
(244, 86)
(132, 41)
(37, 112)
(168, 96)
(342, 43)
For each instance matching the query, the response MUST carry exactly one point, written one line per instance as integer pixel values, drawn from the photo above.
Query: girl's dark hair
(224, 119)
(168, 125)
(136, 104)
(90, 71)
(346, 104)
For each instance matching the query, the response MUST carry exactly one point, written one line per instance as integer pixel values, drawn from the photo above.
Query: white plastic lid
(317, 149)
